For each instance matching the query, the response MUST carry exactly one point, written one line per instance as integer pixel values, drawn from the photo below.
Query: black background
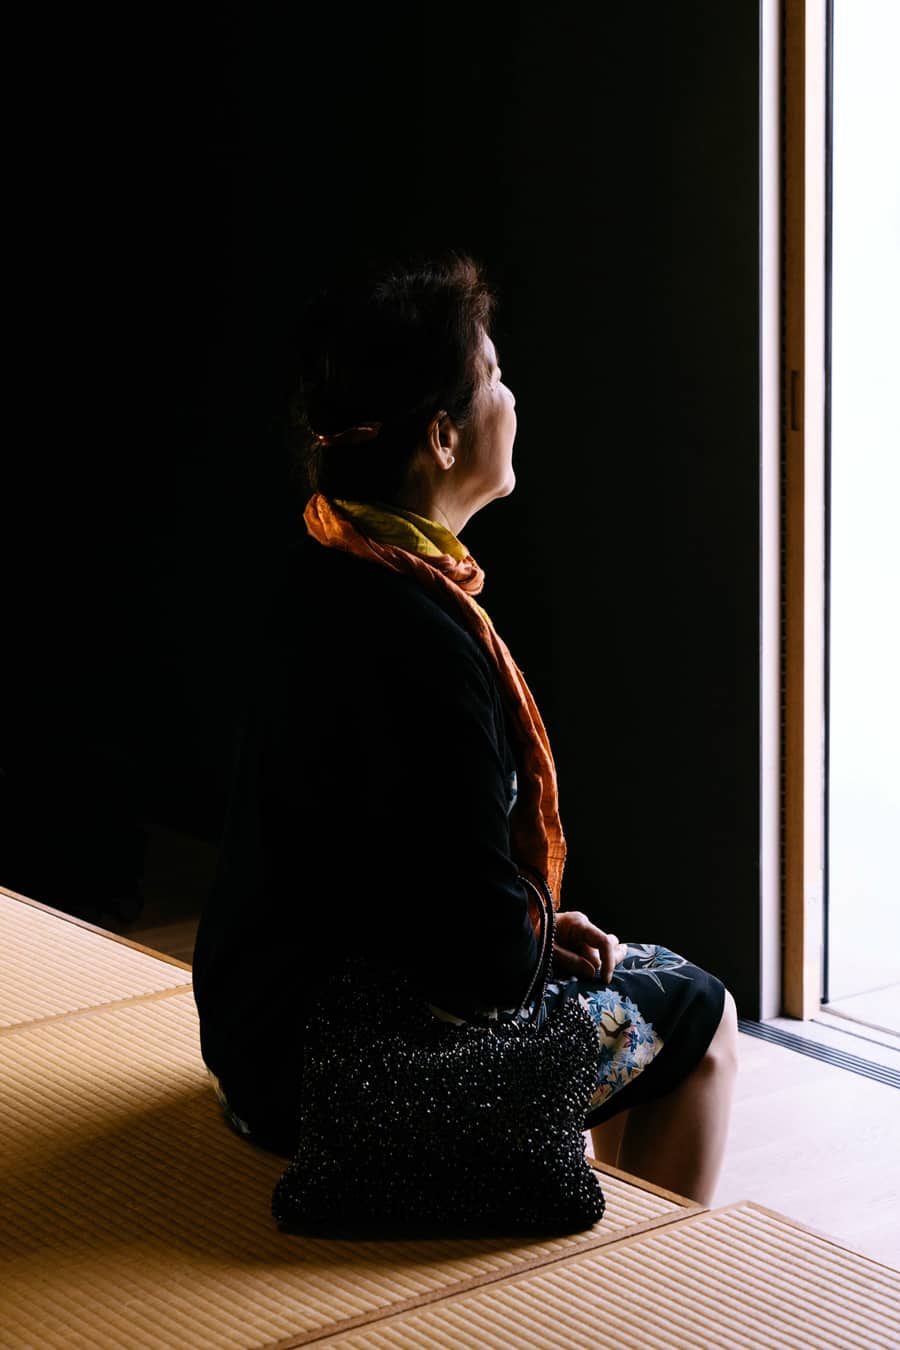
(179, 179)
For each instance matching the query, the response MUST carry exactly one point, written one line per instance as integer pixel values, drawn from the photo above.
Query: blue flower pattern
(645, 959)
(628, 1042)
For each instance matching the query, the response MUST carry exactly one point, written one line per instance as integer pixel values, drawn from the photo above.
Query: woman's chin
(509, 485)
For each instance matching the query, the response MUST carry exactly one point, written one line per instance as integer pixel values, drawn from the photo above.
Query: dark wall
(603, 164)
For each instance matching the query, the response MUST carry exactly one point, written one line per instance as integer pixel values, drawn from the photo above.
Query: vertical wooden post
(803, 503)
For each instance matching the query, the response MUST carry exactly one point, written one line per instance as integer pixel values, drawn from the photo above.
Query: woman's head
(404, 348)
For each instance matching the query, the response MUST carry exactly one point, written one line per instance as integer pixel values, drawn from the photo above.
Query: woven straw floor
(132, 1217)
(50, 965)
(739, 1278)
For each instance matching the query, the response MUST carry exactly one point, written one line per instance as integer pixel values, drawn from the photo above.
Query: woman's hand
(583, 949)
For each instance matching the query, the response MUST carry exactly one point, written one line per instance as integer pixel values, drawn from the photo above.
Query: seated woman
(395, 776)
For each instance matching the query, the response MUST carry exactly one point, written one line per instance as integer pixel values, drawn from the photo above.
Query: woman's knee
(720, 1061)
(722, 1052)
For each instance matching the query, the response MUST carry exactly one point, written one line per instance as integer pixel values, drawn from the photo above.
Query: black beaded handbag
(415, 1126)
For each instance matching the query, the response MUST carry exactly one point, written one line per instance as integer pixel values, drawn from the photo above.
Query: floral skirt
(654, 1020)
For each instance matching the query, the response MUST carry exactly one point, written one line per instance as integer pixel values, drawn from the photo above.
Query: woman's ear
(442, 440)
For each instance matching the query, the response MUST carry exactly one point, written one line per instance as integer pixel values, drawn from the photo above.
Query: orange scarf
(536, 833)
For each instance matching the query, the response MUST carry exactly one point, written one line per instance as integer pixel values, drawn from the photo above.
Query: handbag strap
(537, 985)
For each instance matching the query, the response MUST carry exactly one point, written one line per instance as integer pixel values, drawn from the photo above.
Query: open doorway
(861, 975)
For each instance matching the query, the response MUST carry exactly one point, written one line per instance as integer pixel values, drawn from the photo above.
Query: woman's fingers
(609, 949)
(577, 927)
(567, 962)
(591, 962)
(616, 951)
(584, 949)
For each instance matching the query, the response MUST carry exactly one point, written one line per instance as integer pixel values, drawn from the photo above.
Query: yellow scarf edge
(405, 529)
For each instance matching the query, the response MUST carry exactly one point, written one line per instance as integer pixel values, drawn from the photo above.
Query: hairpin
(366, 431)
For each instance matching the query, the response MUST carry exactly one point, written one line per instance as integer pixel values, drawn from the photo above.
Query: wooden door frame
(804, 33)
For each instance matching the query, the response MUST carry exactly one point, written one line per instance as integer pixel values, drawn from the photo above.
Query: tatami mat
(50, 966)
(741, 1278)
(133, 1217)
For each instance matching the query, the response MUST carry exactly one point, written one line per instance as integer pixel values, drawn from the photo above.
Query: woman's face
(487, 459)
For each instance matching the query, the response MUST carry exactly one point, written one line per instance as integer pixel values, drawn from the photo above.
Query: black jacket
(369, 813)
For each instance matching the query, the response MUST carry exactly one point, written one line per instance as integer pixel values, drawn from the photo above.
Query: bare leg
(678, 1141)
(606, 1139)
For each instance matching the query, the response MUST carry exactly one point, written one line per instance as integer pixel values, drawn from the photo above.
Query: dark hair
(391, 344)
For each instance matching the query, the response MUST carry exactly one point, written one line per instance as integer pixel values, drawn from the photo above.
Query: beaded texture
(412, 1125)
